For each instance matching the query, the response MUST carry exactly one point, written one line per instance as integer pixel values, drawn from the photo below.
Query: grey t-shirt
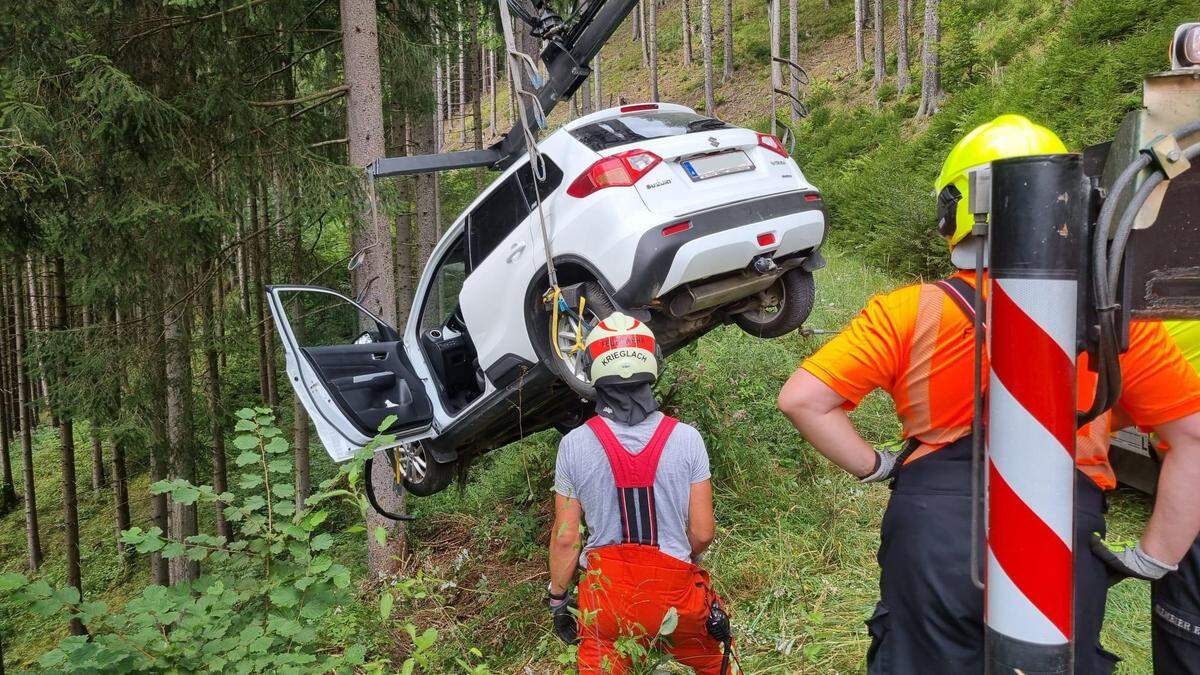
(582, 472)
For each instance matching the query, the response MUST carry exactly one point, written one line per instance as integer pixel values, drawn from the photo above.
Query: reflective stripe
(915, 404)
(1091, 452)
(612, 342)
(915, 410)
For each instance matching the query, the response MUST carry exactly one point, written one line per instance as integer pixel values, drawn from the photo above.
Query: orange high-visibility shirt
(932, 385)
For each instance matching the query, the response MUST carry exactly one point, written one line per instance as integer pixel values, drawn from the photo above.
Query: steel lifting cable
(537, 166)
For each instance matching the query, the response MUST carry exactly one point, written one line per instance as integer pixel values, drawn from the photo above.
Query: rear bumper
(722, 240)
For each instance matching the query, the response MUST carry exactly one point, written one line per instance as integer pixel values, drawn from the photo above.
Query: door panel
(347, 367)
(370, 382)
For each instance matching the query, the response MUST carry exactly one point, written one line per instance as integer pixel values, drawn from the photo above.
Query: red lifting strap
(629, 470)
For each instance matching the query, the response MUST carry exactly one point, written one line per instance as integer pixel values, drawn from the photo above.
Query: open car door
(348, 368)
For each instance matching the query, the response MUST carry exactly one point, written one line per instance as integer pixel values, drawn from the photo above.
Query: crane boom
(567, 57)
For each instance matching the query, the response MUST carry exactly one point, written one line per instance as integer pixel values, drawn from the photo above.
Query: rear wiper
(706, 123)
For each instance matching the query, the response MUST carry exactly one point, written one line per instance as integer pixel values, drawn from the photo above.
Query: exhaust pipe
(711, 294)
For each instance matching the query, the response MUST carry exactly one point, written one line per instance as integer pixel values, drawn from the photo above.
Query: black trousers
(1175, 603)
(930, 616)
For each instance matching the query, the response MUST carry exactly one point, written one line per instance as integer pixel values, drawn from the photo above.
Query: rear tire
(569, 367)
(424, 475)
(786, 305)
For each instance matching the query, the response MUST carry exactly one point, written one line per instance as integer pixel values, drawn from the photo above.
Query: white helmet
(621, 346)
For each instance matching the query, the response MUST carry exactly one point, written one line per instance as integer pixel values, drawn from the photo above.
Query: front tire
(785, 306)
(424, 475)
(567, 361)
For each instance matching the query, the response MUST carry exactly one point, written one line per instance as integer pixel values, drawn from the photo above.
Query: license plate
(711, 166)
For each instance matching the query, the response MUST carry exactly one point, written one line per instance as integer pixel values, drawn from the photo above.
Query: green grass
(794, 553)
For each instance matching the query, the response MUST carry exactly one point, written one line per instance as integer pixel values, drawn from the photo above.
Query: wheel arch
(570, 269)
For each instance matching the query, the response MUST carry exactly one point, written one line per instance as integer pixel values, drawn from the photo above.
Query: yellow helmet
(1004, 137)
(621, 347)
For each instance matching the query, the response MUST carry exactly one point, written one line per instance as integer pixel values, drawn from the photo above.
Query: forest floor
(794, 553)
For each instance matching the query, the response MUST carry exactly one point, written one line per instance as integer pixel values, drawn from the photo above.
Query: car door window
(506, 207)
(441, 299)
(325, 320)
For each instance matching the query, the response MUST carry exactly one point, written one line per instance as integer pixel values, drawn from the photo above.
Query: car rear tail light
(677, 228)
(773, 144)
(766, 239)
(812, 197)
(639, 106)
(620, 170)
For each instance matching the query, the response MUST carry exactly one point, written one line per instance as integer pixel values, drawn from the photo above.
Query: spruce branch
(333, 92)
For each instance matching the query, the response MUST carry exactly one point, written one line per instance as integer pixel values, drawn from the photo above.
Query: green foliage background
(795, 547)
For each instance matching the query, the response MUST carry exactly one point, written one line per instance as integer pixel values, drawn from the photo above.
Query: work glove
(1125, 561)
(563, 610)
(885, 462)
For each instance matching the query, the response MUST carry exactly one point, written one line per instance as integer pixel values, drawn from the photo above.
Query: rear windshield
(625, 129)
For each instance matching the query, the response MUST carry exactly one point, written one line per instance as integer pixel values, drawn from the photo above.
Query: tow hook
(765, 265)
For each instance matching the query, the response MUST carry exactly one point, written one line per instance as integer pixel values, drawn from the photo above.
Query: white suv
(681, 219)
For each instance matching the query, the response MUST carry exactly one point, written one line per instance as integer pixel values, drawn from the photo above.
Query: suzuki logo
(713, 141)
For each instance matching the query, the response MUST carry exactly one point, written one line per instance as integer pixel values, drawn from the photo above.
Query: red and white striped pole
(1036, 235)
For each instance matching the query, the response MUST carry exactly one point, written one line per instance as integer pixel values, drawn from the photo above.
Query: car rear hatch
(705, 162)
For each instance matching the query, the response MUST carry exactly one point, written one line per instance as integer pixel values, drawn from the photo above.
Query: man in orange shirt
(917, 343)
(1175, 598)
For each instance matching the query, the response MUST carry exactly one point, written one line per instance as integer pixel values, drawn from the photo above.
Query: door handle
(379, 356)
(515, 252)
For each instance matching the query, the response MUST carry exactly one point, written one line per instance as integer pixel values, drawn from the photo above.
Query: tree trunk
(776, 73)
(475, 90)
(364, 115)
(686, 19)
(644, 20)
(902, 81)
(243, 265)
(264, 280)
(597, 89)
(426, 204)
(880, 49)
(25, 413)
(492, 79)
(860, 19)
(157, 414)
(98, 477)
(94, 424)
(66, 442)
(438, 114)
(8, 380)
(931, 88)
(793, 55)
(651, 35)
(302, 465)
(635, 23)
(120, 481)
(706, 52)
(216, 411)
(178, 344)
(727, 66)
(39, 322)
(462, 82)
(259, 317)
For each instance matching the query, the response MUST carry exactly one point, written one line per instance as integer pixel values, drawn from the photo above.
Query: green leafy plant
(261, 604)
